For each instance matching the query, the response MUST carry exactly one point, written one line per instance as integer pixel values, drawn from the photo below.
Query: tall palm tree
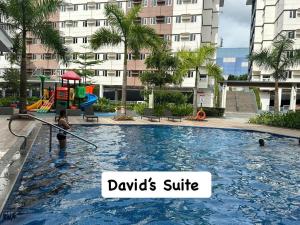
(198, 59)
(31, 17)
(278, 59)
(124, 28)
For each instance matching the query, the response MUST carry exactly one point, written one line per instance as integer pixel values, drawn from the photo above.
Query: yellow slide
(35, 105)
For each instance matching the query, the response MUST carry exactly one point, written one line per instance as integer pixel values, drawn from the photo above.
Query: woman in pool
(63, 123)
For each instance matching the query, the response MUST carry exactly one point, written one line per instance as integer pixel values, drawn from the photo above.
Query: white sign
(156, 184)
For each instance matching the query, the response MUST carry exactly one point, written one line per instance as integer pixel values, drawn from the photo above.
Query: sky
(235, 24)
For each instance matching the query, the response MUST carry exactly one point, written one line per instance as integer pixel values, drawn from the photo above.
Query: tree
(12, 80)
(278, 59)
(196, 60)
(161, 64)
(85, 60)
(236, 77)
(30, 17)
(125, 29)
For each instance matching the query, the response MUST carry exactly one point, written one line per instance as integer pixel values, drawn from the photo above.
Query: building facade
(183, 23)
(233, 61)
(269, 19)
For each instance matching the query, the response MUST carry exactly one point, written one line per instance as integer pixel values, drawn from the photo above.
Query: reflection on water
(251, 185)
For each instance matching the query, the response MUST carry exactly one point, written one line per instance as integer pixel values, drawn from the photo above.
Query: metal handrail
(50, 124)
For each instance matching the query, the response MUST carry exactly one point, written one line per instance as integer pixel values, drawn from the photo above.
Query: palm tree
(31, 17)
(277, 60)
(201, 58)
(124, 28)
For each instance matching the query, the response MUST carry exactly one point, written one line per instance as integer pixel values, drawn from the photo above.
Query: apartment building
(269, 19)
(183, 23)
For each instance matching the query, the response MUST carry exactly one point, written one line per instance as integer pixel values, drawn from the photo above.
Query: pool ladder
(28, 116)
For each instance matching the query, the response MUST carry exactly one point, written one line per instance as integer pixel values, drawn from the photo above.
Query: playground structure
(70, 95)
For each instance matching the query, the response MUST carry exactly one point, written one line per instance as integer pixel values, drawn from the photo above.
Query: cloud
(235, 23)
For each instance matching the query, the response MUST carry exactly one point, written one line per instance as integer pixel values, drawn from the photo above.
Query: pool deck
(7, 140)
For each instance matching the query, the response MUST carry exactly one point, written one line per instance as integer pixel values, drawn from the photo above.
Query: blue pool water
(251, 185)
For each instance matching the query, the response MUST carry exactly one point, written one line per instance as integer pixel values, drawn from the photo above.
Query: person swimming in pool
(63, 123)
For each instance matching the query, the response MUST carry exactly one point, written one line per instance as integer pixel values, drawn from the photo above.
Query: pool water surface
(251, 185)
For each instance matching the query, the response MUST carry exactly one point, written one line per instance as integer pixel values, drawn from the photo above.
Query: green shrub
(104, 105)
(213, 112)
(288, 120)
(6, 102)
(140, 108)
(165, 97)
(32, 100)
(180, 110)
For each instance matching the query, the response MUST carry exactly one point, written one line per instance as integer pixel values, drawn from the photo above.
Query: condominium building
(271, 18)
(183, 23)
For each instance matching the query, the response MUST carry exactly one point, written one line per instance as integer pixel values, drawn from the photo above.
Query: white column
(3, 93)
(293, 98)
(30, 93)
(101, 91)
(151, 100)
(279, 97)
(224, 94)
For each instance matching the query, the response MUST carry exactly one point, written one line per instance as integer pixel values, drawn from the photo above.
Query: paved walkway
(7, 140)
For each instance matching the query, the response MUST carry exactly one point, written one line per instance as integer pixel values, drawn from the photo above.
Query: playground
(71, 94)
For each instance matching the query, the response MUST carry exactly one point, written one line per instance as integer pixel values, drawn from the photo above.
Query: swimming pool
(251, 185)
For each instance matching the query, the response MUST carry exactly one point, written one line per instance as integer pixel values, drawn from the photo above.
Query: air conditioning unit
(186, 1)
(91, 5)
(91, 21)
(111, 56)
(185, 36)
(69, 23)
(186, 18)
(68, 39)
(69, 7)
(111, 72)
(298, 33)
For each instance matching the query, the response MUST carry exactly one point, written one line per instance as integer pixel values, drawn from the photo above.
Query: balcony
(160, 19)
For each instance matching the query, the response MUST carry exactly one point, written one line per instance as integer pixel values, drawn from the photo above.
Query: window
(105, 23)
(145, 3)
(176, 37)
(190, 74)
(118, 56)
(105, 56)
(98, 6)
(84, 40)
(144, 21)
(104, 73)
(167, 37)
(97, 56)
(129, 56)
(168, 19)
(119, 4)
(293, 13)
(75, 24)
(98, 23)
(192, 37)
(142, 56)
(75, 40)
(168, 2)
(179, 2)
(84, 23)
(152, 20)
(178, 19)
(62, 8)
(291, 34)
(129, 4)
(63, 24)
(85, 7)
(194, 1)
(194, 19)
(288, 74)
(97, 72)
(74, 56)
(118, 73)
(154, 2)
(290, 54)
(75, 7)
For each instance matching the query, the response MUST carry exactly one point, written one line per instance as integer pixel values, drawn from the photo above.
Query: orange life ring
(201, 115)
